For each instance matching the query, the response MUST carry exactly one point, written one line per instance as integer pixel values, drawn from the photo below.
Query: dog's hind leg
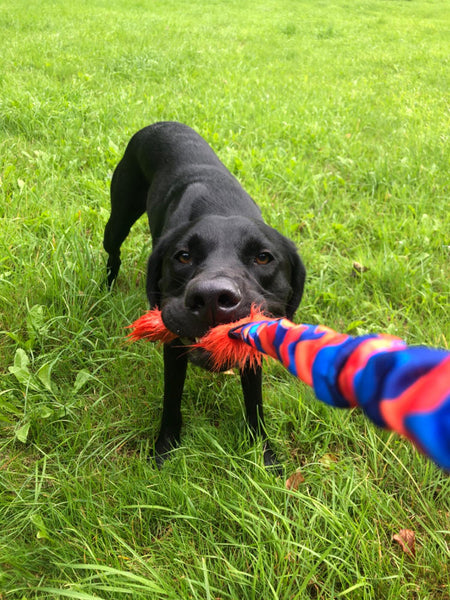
(251, 380)
(128, 202)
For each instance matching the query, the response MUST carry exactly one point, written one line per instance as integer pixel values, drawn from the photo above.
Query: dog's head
(212, 270)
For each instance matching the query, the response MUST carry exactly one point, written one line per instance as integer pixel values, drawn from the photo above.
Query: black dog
(213, 255)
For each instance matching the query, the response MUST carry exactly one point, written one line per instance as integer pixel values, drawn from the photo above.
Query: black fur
(213, 256)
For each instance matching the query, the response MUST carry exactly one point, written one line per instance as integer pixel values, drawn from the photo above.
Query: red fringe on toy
(151, 327)
(227, 352)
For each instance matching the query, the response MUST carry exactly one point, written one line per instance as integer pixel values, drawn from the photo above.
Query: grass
(334, 116)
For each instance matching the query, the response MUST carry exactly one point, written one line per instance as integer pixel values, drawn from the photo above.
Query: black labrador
(213, 256)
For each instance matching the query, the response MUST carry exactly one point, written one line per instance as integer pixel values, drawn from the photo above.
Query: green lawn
(334, 116)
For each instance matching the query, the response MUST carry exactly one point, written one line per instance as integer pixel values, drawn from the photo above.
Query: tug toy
(399, 387)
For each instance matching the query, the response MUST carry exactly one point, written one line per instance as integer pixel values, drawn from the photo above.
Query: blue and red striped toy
(399, 387)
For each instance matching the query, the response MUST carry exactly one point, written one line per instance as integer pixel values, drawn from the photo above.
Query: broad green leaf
(44, 376)
(36, 320)
(38, 522)
(43, 412)
(82, 377)
(22, 433)
(21, 359)
(20, 369)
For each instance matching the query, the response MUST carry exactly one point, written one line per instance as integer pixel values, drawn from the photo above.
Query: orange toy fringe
(151, 327)
(225, 351)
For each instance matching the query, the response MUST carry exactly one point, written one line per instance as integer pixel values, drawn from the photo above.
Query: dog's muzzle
(214, 301)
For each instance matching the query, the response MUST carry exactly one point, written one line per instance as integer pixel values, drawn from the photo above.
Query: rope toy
(398, 387)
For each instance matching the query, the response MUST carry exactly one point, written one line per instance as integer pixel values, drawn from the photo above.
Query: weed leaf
(38, 522)
(43, 412)
(44, 376)
(36, 320)
(21, 360)
(20, 369)
(82, 377)
(22, 433)
(328, 460)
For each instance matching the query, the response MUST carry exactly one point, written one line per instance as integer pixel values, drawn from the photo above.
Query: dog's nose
(213, 300)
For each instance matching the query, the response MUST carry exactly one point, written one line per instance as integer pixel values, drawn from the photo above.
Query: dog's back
(177, 177)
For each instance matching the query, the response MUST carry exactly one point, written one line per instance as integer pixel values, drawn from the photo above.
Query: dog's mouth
(199, 356)
(208, 350)
(187, 341)
(190, 329)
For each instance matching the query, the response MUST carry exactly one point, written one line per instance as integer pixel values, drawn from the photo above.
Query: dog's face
(212, 270)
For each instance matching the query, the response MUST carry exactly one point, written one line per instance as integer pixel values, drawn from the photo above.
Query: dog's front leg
(251, 380)
(175, 364)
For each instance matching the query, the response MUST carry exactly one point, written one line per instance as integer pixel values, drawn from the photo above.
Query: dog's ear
(154, 273)
(162, 248)
(298, 275)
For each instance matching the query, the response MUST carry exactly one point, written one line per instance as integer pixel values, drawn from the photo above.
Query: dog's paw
(163, 448)
(158, 459)
(271, 461)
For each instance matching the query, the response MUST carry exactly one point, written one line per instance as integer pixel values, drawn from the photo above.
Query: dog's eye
(184, 257)
(263, 258)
